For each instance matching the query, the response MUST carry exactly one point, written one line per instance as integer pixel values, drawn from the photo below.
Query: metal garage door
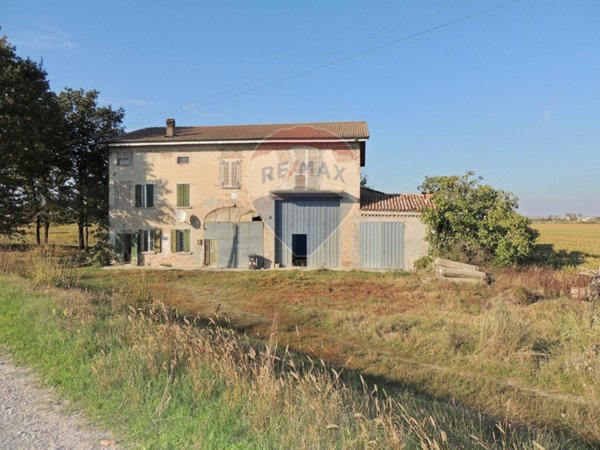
(235, 241)
(382, 245)
(312, 221)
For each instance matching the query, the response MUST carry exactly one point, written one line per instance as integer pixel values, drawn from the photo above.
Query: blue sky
(513, 94)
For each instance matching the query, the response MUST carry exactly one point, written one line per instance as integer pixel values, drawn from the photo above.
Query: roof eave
(142, 142)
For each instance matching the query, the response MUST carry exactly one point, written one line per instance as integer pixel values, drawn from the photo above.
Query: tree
(31, 132)
(475, 222)
(88, 125)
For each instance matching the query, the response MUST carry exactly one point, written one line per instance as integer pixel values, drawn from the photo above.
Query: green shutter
(150, 195)
(157, 241)
(119, 247)
(186, 240)
(183, 195)
(138, 195)
(186, 195)
(134, 246)
(173, 241)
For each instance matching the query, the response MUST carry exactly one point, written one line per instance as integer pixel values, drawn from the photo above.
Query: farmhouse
(279, 195)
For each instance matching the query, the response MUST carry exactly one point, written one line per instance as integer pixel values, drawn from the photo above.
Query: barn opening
(231, 235)
(299, 247)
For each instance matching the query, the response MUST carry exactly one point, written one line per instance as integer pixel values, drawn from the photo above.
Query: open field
(160, 381)
(58, 235)
(517, 350)
(579, 241)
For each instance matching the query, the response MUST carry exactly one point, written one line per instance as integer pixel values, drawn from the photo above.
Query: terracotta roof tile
(323, 130)
(372, 200)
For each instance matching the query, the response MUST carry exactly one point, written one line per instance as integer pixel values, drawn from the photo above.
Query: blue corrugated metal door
(382, 245)
(316, 218)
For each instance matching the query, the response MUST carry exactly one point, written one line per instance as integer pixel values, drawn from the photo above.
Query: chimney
(170, 127)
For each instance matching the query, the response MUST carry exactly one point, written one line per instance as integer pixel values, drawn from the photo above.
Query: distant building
(289, 194)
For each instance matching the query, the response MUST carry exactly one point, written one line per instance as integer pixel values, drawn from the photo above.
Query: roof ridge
(269, 124)
(393, 193)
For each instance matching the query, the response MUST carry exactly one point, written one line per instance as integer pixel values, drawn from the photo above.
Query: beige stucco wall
(158, 165)
(415, 245)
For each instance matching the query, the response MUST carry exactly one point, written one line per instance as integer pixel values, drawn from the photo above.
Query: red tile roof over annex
(372, 200)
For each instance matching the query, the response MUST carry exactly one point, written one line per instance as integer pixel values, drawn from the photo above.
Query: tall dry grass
(158, 364)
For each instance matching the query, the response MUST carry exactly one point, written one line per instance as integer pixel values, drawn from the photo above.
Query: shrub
(423, 263)
(101, 253)
(474, 222)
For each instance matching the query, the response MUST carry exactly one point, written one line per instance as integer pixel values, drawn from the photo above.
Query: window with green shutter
(183, 195)
(180, 241)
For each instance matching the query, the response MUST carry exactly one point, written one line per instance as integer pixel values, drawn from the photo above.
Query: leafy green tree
(474, 222)
(88, 125)
(31, 133)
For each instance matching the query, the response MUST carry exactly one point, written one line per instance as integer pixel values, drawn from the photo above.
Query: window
(180, 241)
(183, 160)
(230, 173)
(144, 196)
(183, 195)
(123, 159)
(150, 240)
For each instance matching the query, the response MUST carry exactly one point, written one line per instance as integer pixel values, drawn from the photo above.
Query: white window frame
(147, 241)
(144, 195)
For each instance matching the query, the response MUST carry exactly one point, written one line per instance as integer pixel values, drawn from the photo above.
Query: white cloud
(46, 38)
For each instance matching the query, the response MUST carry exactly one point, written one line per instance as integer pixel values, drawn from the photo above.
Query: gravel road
(32, 417)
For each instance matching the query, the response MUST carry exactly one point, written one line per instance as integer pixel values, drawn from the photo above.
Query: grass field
(518, 350)
(573, 238)
(58, 235)
(160, 381)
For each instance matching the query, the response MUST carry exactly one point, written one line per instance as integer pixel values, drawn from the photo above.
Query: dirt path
(32, 417)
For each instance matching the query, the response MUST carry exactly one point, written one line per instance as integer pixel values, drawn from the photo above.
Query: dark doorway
(127, 248)
(299, 250)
